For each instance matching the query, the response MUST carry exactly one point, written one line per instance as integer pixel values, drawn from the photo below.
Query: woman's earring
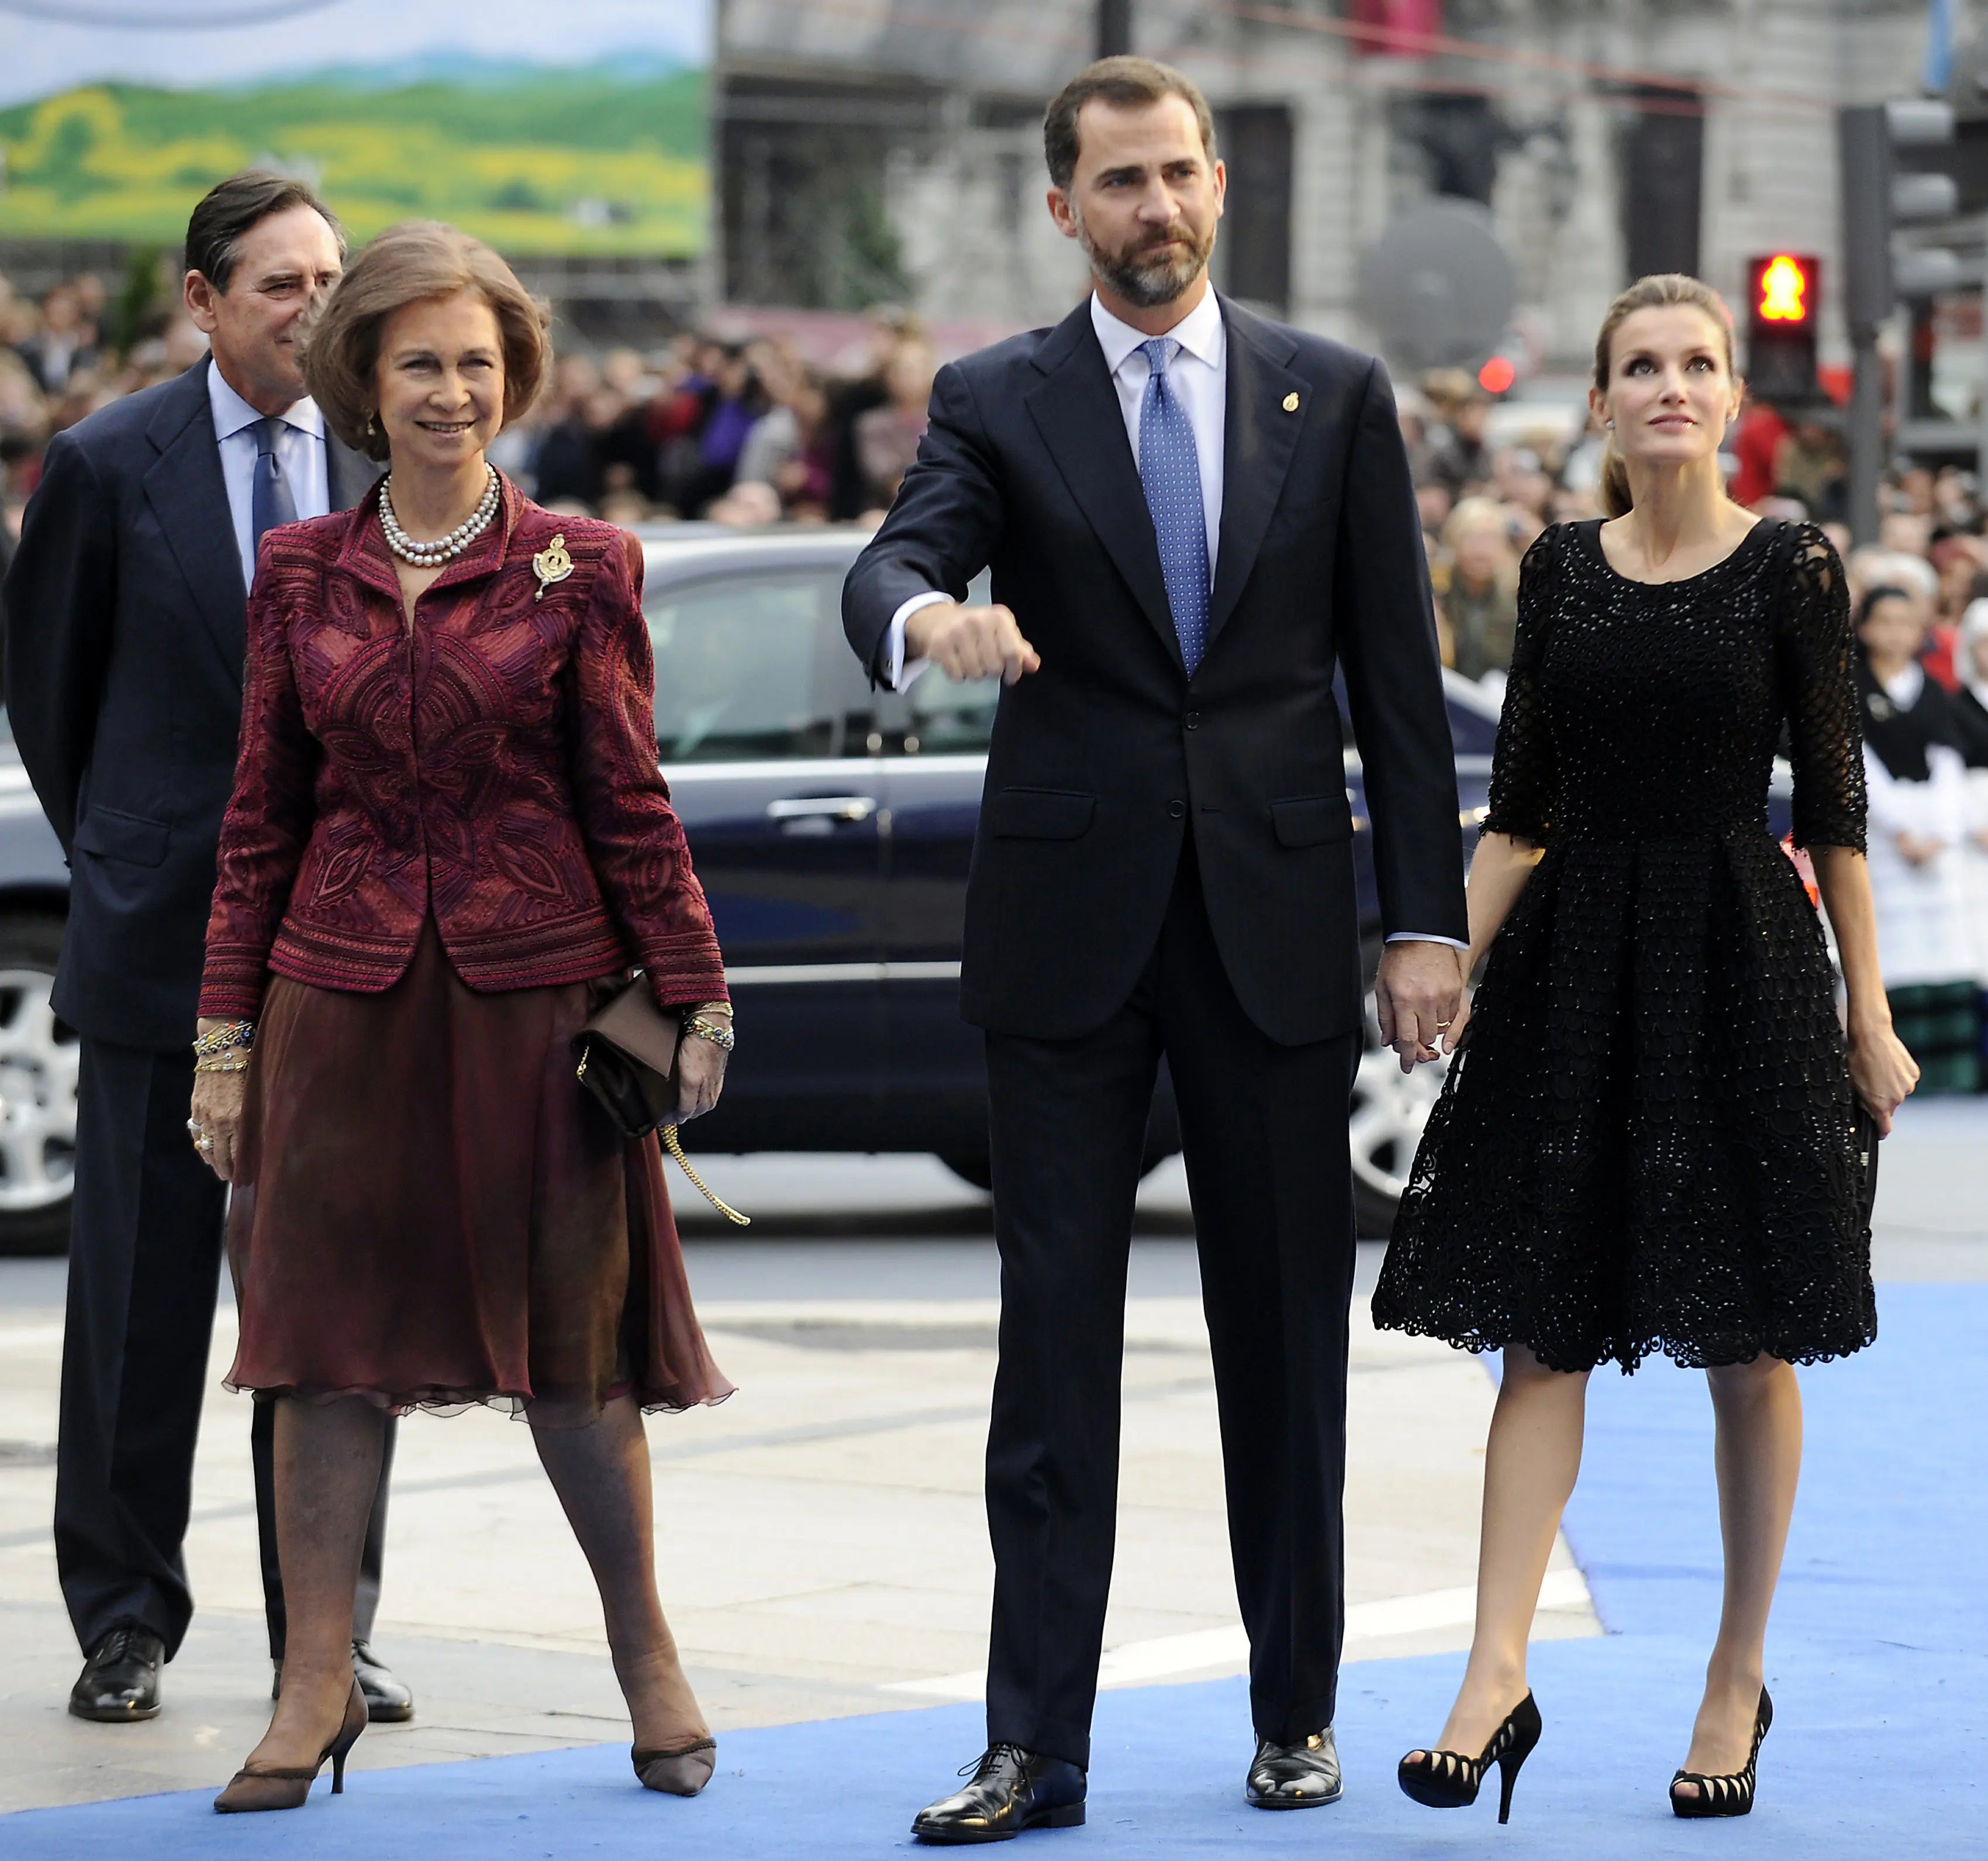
(1611, 426)
(373, 423)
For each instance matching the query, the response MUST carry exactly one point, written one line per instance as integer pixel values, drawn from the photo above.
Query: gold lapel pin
(551, 564)
(1290, 403)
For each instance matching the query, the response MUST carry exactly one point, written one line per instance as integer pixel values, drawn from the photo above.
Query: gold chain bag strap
(627, 1059)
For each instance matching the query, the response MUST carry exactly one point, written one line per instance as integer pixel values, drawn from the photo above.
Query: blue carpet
(1879, 1661)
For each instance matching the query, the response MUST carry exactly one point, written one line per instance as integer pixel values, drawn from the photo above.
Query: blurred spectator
(849, 495)
(64, 341)
(1477, 589)
(1461, 458)
(790, 446)
(1971, 708)
(1918, 842)
(746, 505)
(1810, 462)
(1756, 443)
(887, 437)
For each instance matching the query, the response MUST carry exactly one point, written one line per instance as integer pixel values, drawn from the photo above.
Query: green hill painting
(537, 161)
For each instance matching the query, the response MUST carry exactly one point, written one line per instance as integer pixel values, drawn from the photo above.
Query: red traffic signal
(1783, 291)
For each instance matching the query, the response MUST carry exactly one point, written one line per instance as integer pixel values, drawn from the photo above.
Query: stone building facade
(878, 149)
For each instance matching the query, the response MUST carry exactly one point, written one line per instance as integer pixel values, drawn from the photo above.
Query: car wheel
(1389, 1110)
(38, 1082)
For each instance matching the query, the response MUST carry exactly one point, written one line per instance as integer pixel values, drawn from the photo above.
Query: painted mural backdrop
(544, 127)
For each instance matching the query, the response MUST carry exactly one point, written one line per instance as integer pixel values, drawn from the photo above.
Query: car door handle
(820, 807)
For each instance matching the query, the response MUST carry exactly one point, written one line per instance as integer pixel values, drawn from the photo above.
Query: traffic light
(1877, 200)
(1783, 297)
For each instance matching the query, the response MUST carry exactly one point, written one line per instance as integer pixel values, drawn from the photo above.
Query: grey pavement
(820, 1536)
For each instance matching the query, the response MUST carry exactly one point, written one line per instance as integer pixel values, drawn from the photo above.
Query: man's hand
(1418, 996)
(969, 643)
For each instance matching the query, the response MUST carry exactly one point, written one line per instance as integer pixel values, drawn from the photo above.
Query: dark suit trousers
(1263, 1127)
(144, 1262)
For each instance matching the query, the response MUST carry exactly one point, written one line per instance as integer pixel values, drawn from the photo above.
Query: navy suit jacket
(125, 633)
(1100, 760)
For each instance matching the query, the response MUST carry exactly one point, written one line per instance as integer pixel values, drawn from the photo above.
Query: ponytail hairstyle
(1656, 292)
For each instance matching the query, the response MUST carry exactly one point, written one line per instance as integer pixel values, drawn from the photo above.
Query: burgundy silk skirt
(429, 1212)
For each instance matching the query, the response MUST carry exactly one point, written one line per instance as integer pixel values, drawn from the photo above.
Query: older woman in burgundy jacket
(449, 838)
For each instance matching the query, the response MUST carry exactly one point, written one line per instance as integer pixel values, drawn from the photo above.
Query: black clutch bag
(627, 1055)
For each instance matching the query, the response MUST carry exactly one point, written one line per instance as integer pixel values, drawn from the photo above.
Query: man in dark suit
(125, 611)
(1193, 516)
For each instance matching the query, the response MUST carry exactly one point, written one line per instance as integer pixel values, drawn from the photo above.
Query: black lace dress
(1645, 1142)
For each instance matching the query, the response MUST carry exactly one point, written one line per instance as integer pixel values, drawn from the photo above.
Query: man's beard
(1145, 276)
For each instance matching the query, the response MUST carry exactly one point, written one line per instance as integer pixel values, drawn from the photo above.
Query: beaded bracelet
(230, 1037)
(718, 1034)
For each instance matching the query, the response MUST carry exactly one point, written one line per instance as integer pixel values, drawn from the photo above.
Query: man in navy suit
(1195, 519)
(125, 616)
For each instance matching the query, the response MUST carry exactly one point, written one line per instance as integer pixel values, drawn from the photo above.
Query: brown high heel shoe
(682, 1771)
(288, 1788)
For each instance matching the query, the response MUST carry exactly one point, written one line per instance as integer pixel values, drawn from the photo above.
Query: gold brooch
(1291, 404)
(551, 564)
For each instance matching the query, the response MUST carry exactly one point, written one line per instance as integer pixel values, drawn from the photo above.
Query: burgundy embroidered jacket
(496, 767)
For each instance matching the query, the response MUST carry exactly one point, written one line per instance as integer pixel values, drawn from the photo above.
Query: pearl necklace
(433, 555)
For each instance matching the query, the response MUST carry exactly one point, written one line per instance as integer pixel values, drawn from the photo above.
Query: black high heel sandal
(1448, 1780)
(1728, 1795)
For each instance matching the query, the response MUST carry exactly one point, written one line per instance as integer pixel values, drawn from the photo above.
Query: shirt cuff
(896, 673)
(1424, 937)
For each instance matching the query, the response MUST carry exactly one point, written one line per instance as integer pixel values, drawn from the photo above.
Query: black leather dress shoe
(1012, 1790)
(1295, 1776)
(119, 1682)
(389, 1700)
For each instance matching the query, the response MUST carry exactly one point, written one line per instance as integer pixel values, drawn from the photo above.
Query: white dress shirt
(1198, 372)
(300, 450)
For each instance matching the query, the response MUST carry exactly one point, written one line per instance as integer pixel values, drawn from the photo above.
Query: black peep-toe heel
(1448, 1780)
(1728, 1795)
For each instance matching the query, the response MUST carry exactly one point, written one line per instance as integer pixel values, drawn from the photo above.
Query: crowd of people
(747, 432)
(741, 431)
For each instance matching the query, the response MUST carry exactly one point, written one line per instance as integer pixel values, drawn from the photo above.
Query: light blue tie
(270, 504)
(1171, 472)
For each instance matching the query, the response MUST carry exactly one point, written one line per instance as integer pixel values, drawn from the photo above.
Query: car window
(740, 671)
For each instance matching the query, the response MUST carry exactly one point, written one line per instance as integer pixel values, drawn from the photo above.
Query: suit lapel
(1076, 410)
(351, 473)
(189, 495)
(1259, 435)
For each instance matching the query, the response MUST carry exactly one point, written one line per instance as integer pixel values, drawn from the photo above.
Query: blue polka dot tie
(1170, 472)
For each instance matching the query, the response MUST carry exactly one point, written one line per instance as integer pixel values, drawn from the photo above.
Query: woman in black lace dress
(1646, 1141)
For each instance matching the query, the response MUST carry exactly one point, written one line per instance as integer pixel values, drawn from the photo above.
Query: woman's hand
(701, 1068)
(216, 1119)
(1882, 1072)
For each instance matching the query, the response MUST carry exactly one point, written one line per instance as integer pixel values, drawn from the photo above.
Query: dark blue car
(831, 826)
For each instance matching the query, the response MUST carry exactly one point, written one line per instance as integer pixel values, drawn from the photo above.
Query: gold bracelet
(216, 1063)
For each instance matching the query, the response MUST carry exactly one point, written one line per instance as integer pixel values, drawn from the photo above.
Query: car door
(764, 730)
(934, 1064)
(936, 1073)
